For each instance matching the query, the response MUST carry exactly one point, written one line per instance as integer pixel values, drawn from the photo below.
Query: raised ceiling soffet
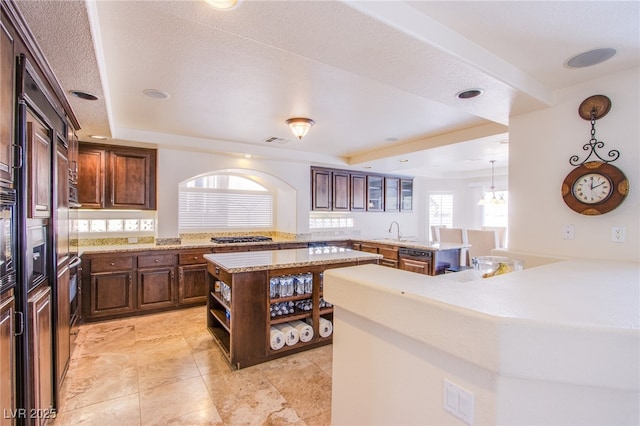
(379, 78)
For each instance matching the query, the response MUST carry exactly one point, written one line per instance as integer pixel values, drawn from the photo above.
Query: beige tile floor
(164, 369)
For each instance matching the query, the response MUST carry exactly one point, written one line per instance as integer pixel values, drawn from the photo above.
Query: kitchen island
(553, 344)
(253, 295)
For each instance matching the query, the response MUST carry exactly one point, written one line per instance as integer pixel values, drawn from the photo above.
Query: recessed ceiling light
(469, 93)
(99, 137)
(367, 167)
(156, 94)
(591, 57)
(83, 95)
(391, 139)
(223, 4)
(504, 141)
(404, 160)
(248, 156)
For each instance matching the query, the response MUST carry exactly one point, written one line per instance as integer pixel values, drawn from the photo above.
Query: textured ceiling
(379, 78)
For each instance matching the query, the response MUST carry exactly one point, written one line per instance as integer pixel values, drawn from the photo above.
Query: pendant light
(483, 201)
(300, 126)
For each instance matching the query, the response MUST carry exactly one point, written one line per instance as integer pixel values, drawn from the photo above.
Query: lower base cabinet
(110, 293)
(192, 284)
(156, 288)
(41, 354)
(7, 359)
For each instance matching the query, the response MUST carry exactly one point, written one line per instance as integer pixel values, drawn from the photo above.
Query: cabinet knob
(157, 260)
(196, 257)
(112, 264)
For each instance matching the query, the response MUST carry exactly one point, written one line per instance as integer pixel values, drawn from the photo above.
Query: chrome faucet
(398, 226)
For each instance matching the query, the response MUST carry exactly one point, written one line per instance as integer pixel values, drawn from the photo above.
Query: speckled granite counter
(279, 259)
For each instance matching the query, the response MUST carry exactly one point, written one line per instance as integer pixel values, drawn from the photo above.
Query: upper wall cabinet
(330, 190)
(406, 194)
(114, 177)
(343, 190)
(39, 153)
(375, 193)
(391, 194)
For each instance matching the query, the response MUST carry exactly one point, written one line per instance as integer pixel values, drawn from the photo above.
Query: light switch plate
(568, 232)
(618, 234)
(458, 402)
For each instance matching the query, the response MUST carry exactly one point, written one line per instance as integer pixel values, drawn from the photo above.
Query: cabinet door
(62, 208)
(358, 193)
(39, 142)
(421, 267)
(91, 166)
(132, 179)
(7, 360)
(391, 194)
(375, 193)
(41, 353)
(111, 293)
(63, 319)
(156, 288)
(192, 284)
(406, 194)
(341, 191)
(72, 139)
(320, 189)
(7, 100)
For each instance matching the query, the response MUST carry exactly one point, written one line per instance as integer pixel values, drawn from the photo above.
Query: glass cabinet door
(391, 194)
(406, 194)
(375, 193)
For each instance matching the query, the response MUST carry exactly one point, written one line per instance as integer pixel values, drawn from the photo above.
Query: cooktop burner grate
(249, 239)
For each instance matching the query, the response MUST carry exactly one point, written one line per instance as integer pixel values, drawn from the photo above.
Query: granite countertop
(279, 259)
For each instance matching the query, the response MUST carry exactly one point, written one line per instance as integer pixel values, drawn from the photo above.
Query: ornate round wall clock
(594, 187)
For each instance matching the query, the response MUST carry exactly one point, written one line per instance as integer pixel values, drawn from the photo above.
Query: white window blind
(202, 208)
(441, 210)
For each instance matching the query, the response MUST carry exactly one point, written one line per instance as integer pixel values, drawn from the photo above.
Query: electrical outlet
(568, 232)
(458, 402)
(132, 240)
(617, 234)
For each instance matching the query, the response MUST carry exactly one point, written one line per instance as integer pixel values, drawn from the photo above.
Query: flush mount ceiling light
(223, 4)
(156, 94)
(483, 201)
(469, 93)
(300, 126)
(591, 57)
(83, 95)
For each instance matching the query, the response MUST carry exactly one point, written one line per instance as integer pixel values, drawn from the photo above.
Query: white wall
(540, 145)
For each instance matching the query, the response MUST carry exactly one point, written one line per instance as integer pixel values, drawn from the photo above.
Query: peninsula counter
(553, 344)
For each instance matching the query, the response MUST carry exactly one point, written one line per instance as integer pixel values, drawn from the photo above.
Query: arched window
(222, 201)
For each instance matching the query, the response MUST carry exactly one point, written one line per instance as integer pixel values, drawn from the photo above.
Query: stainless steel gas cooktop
(240, 239)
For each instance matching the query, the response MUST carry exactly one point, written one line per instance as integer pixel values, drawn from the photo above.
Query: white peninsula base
(556, 344)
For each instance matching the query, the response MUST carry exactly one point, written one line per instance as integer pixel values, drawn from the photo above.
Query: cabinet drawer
(107, 264)
(153, 260)
(193, 257)
(389, 253)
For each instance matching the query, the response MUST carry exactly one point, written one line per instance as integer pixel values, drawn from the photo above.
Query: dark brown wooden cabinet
(157, 287)
(375, 193)
(62, 324)
(413, 265)
(330, 190)
(192, 284)
(7, 357)
(41, 353)
(39, 154)
(389, 252)
(112, 177)
(391, 194)
(111, 286)
(358, 192)
(91, 187)
(7, 102)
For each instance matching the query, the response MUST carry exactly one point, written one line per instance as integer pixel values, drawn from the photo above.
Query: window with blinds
(441, 210)
(224, 201)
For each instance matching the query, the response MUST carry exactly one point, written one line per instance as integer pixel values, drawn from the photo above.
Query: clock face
(592, 188)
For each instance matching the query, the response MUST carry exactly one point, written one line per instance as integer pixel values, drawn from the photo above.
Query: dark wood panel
(321, 189)
(192, 284)
(111, 263)
(63, 319)
(7, 102)
(358, 192)
(157, 259)
(91, 181)
(7, 357)
(111, 293)
(341, 191)
(39, 159)
(130, 180)
(156, 288)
